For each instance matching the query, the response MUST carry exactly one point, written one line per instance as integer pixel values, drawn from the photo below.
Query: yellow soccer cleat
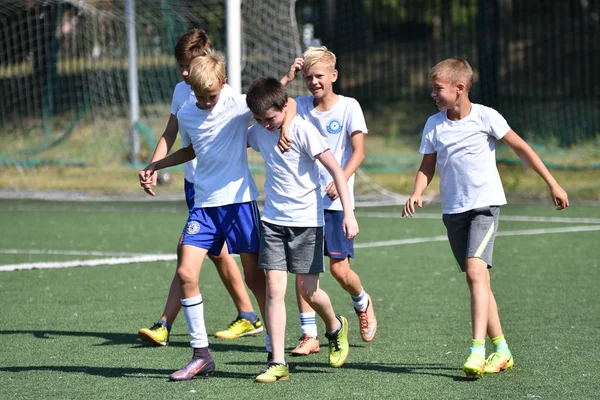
(338, 344)
(498, 361)
(158, 334)
(474, 366)
(274, 373)
(240, 327)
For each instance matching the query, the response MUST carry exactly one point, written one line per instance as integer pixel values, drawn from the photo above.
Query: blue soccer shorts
(336, 244)
(238, 225)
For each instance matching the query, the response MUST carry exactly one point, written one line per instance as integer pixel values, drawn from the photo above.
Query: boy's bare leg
(231, 277)
(276, 284)
(346, 277)
(255, 279)
(494, 328)
(336, 326)
(478, 279)
(318, 300)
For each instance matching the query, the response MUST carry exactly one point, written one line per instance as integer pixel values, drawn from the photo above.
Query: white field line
(69, 252)
(563, 220)
(570, 229)
(90, 263)
(172, 257)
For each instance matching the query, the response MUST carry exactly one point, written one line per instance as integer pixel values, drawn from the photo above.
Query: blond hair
(455, 70)
(207, 70)
(320, 54)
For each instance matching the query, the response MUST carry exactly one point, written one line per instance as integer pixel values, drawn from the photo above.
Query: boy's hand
(148, 179)
(331, 191)
(409, 207)
(285, 143)
(350, 227)
(559, 197)
(294, 68)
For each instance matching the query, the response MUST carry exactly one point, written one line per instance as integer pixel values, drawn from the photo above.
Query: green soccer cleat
(475, 366)
(498, 361)
(240, 327)
(338, 344)
(273, 373)
(158, 334)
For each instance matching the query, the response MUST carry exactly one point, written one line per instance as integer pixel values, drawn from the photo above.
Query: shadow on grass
(112, 372)
(119, 338)
(298, 365)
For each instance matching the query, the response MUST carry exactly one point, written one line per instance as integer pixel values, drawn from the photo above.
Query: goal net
(64, 71)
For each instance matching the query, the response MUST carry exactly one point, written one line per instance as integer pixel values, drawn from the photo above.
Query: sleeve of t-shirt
(253, 132)
(176, 102)
(427, 146)
(357, 119)
(310, 140)
(242, 107)
(498, 127)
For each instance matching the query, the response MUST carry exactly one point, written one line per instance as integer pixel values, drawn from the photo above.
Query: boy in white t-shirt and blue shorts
(292, 221)
(341, 122)
(214, 131)
(461, 139)
(195, 43)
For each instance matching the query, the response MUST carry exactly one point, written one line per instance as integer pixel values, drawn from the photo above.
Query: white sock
(308, 323)
(193, 309)
(361, 301)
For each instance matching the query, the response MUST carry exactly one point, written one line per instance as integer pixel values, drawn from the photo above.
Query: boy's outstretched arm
(530, 157)
(163, 146)
(285, 142)
(357, 141)
(422, 180)
(291, 74)
(350, 225)
(179, 157)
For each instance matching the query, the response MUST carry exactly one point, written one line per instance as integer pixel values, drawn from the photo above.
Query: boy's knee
(185, 274)
(255, 281)
(340, 269)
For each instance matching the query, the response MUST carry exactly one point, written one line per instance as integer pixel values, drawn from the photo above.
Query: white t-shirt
(466, 158)
(293, 196)
(182, 95)
(219, 138)
(337, 126)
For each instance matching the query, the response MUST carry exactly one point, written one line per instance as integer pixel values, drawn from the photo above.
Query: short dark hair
(192, 44)
(266, 93)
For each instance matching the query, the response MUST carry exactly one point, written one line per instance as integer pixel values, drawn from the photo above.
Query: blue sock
(249, 315)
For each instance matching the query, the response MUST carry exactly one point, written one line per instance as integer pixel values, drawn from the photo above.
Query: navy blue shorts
(336, 244)
(238, 225)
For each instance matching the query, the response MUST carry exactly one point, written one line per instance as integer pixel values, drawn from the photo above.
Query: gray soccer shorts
(297, 250)
(472, 233)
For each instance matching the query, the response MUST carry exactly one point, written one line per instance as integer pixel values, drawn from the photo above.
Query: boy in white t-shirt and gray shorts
(292, 221)
(461, 139)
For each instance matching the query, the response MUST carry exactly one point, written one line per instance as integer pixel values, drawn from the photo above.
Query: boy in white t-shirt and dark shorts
(461, 139)
(292, 221)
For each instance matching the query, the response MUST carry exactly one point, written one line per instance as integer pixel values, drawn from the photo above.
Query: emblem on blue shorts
(334, 126)
(192, 228)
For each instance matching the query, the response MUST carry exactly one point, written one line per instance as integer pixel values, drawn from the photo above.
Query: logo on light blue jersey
(334, 126)
(192, 228)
